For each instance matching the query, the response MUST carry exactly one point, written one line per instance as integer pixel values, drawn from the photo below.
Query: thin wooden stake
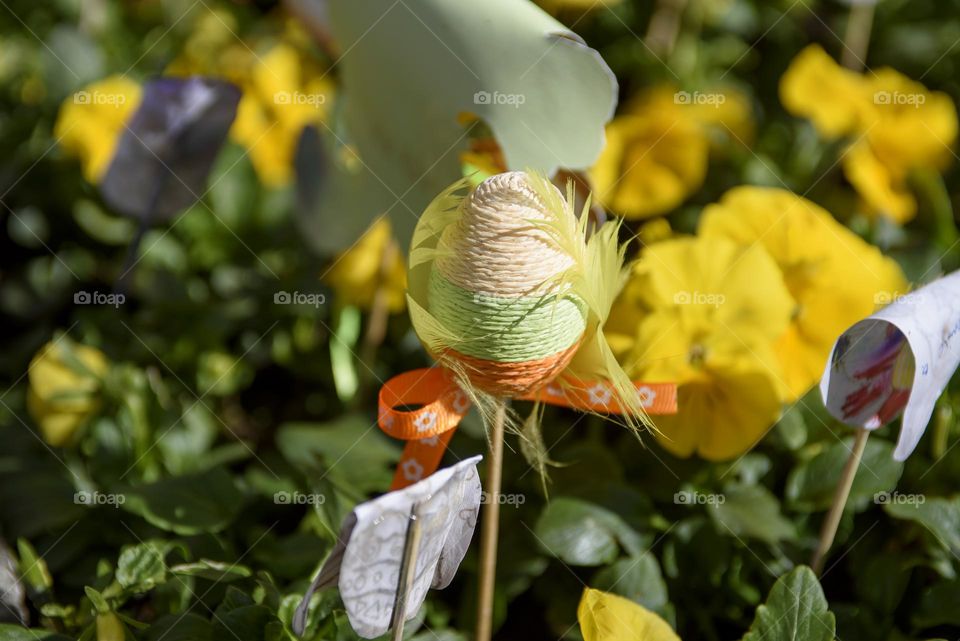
(664, 27)
(856, 39)
(411, 546)
(828, 531)
(491, 527)
(379, 315)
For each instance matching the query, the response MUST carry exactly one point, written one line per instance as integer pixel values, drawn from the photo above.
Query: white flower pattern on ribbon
(425, 421)
(460, 402)
(647, 396)
(599, 394)
(553, 390)
(412, 470)
(430, 442)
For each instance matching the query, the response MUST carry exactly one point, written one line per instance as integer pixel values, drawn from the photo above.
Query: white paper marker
(898, 360)
(367, 561)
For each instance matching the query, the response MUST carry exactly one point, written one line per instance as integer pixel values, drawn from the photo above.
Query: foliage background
(225, 398)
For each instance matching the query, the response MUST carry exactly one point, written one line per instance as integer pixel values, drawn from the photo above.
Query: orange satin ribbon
(442, 405)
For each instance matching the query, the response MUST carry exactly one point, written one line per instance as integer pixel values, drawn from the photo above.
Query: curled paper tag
(898, 360)
(367, 559)
(441, 405)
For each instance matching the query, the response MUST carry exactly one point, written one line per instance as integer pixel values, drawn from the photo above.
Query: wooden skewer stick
(408, 571)
(491, 527)
(856, 39)
(828, 530)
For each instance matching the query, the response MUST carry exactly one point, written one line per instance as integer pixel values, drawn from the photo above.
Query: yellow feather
(597, 277)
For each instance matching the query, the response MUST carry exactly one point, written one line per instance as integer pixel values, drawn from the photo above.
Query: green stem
(930, 184)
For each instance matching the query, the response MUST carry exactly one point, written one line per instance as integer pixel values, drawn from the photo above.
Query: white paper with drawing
(898, 360)
(366, 561)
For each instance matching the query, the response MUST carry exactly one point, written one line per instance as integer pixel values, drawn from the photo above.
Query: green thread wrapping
(507, 329)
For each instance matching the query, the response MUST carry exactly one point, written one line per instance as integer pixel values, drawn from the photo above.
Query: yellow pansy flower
(608, 617)
(277, 103)
(64, 388)
(883, 187)
(834, 277)
(704, 312)
(907, 128)
(657, 151)
(91, 120)
(908, 123)
(359, 272)
(212, 49)
(832, 97)
(897, 125)
(650, 164)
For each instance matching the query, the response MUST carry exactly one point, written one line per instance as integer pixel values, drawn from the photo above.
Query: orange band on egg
(512, 380)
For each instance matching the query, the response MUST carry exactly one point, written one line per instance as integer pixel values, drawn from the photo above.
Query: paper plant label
(898, 360)
(367, 559)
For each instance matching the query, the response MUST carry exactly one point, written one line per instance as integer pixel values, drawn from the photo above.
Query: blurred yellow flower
(608, 617)
(212, 49)
(278, 102)
(360, 271)
(704, 313)
(897, 126)
(818, 89)
(657, 151)
(91, 120)
(64, 388)
(833, 276)
(653, 231)
(650, 164)
(908, 128)
(282, 91)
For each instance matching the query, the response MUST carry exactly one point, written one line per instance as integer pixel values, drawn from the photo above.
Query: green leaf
(343, 346)
(796, 610)
(750, 511)
(881, 579)
(233, 599)
(99, 603)
(180, 627)
(190, 504)
(582, 533)
(246, 623)
(352, 449)
(638, 579)
(938, 606)
(141, 567)
(291, 556)
(506, 61)
(10, 632)
(217, 571)
(811, 484)
(791, 428)
(33, 568)
(101, 226)
(221, 374)
(37, 500)
(940, 516)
